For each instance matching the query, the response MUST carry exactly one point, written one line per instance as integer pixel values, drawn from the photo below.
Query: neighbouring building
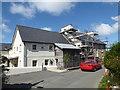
(4, 49)
(90, 46)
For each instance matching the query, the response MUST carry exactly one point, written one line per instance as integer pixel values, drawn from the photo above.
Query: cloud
(106, 29)
(31, 8)
(47, 28)
(54, 8)
(26, 11)
(115, 18)
(5, 20)
(5, 28)
(2, 36)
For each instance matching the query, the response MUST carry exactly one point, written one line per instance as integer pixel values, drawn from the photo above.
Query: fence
(63, 65)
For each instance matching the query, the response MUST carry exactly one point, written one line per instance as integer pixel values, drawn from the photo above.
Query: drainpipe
(42, 67)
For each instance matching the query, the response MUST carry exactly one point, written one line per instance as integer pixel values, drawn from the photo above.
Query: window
(50, 48)
(34, 47)
(17, 48)
(20, 48)
(14, 50)
(56, 61)
(42, 47)
(95, 61)
(34, 63)
(46, 62)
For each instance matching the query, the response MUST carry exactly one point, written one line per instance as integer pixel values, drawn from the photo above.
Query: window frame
(33, 47)
(34, 63)
(51, 49)
(47, 62)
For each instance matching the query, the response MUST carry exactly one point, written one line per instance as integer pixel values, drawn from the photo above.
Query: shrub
(112, 63)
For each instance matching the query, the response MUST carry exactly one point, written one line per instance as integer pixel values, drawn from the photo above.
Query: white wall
(66, 27)
(19, 70)
(39, 54)
(17, 49)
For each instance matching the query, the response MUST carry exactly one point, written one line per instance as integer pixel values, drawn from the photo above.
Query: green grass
(103, 83)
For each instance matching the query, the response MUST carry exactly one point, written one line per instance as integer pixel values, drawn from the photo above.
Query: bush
(112, 63)
(104, 82)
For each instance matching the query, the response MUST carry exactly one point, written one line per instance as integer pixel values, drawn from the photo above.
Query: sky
(100, 17)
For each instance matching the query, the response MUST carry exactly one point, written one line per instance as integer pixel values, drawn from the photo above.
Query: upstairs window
(34, 47)
(20, 48)
(50, 48)
(17, 48)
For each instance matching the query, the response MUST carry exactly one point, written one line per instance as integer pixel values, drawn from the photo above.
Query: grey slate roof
(5, 46)
(29, 34)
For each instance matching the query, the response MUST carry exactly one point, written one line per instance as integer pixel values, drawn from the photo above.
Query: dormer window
(34, 47)
(42, 47)
(50, 48)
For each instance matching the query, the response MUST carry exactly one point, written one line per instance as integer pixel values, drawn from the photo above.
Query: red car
(90, 64)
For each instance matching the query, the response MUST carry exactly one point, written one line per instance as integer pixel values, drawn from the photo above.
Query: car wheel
(94, 69)
(82, 70)
(100, 67)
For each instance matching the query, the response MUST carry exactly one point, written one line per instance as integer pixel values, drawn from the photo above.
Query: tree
(4, 76)
(112, 63)
(4, 59)
(66, 57)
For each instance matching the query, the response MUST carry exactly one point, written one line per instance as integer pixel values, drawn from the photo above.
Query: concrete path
(47, 79)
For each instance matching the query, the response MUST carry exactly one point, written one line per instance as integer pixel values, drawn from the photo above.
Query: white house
(32, 47)
(4, 49)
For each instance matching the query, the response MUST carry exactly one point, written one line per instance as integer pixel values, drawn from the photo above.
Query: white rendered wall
(17, 50)
(39, 54)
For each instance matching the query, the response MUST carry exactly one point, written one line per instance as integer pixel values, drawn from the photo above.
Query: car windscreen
(87, 61)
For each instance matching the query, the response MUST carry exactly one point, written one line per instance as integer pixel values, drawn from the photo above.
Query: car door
(96, 64)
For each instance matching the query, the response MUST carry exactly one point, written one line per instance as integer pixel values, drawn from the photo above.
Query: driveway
(47, 79)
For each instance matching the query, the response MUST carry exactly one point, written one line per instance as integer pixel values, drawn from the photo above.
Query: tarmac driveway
(47, 79)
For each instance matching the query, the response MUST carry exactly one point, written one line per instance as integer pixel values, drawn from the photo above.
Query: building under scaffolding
(90, 47)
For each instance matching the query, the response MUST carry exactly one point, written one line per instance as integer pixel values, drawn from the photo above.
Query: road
(46, 79)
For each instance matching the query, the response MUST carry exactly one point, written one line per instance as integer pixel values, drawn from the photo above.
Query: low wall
(18, 70)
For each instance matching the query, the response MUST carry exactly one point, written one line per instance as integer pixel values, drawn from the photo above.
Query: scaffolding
(87, 40)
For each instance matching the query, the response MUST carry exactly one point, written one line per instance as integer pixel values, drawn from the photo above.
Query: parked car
(90, 64)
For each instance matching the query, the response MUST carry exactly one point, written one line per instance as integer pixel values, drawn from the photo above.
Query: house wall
(17, 49)
(59, 54)
(5, 53)
(40, 54)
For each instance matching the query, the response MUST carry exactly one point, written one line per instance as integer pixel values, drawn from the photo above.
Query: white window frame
(47, 62)
(32, 47)
(36, 63)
